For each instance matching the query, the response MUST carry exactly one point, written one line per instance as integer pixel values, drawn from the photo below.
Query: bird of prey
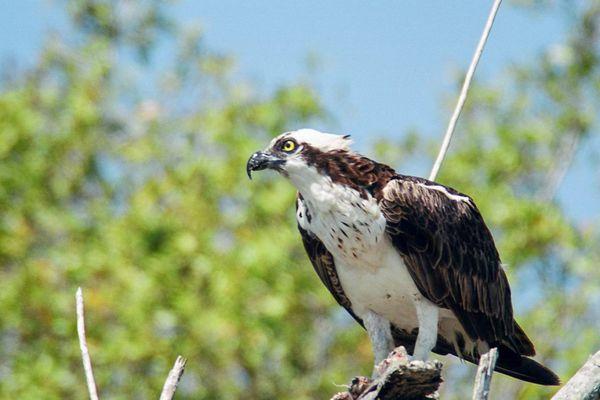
(410, 259)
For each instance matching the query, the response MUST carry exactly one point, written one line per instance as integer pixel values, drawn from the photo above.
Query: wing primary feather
(451, 256)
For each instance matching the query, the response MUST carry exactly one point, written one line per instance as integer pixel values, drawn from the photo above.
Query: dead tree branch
(465, 89)
(170, 386)
(398, 378)
(483, 379)
(563, 160)
(85, 355)
(585, 384)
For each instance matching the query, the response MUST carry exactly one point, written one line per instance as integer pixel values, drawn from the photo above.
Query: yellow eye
(288, 146)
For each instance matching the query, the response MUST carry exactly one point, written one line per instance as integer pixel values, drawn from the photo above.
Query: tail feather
(524, 345)
(525, 368)
(509, 362)
(520, 367)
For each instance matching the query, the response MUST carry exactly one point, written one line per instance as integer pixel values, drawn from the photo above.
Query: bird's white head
(323, 168)
(297, 152)
(323, 142)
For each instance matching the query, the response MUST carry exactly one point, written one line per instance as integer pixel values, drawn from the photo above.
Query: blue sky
(383, 66)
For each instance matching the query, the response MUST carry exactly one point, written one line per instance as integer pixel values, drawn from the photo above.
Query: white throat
(351, 227)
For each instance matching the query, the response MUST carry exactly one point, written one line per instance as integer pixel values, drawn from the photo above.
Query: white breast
(388, 289)
(351, 227)
(371, 271)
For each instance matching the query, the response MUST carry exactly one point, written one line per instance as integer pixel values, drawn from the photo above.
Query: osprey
(410, 259)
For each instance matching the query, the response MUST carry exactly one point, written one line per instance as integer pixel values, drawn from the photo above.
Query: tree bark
(85, 355)
(585, 384)
(483, 379)
(170, 386)
(398, 378)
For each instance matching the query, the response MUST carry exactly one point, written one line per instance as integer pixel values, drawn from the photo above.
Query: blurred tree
(131, 183)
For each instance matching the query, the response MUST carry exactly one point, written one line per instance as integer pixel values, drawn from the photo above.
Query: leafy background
(135, 189)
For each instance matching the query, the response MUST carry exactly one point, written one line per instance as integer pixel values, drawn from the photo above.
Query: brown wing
(451, 255)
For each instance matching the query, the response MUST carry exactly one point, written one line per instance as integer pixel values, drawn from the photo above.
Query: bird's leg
(380, 334)
(427, 315)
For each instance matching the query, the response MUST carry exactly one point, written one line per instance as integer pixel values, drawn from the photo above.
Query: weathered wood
(399, 378)
(85, 355)
(585, 384)
(483, 378)
(170, 386)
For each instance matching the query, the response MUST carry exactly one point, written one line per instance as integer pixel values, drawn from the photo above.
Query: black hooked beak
(262, 160)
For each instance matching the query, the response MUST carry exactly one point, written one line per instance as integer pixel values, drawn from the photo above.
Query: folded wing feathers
(451, 256)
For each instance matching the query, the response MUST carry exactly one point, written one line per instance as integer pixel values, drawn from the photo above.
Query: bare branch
(170, 386)
(585, 384)
(398, 378)
(563, 160)
(463, 92)
(85, 355)
(483, 379)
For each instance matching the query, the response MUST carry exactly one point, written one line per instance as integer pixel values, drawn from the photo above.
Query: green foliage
(143, 201)
(132, 184)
